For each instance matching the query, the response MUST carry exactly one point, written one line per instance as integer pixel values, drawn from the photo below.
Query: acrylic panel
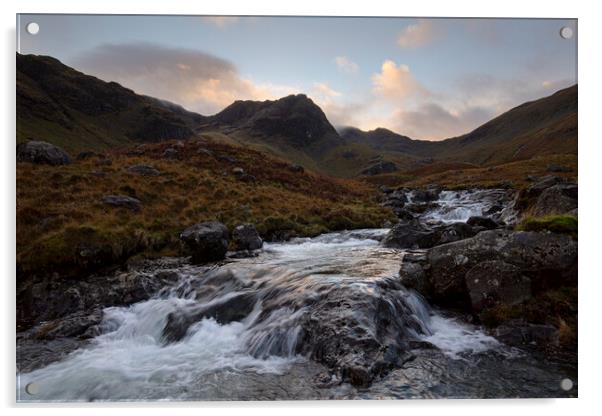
(295, 208)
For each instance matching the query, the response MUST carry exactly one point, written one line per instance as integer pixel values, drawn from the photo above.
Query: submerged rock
(206, 241)
(42, 153)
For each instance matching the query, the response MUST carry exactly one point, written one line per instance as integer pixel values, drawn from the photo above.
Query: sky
(424, 78)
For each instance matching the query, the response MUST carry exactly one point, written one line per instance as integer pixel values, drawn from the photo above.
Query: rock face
(122, 201)
(42, 153)
(497, 266)
(206, 241)
(246, 237)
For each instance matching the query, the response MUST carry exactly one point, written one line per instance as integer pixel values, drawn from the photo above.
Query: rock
(122, 201)
(238, 171)
(104, 161)
(558, 169)
(78, 324)
(170, 153)
(425, 195)
(85, 155)
(227, 159)
(520, 333)
(410, 234)
(203, 151)
(234, 308)
(491, 283)
(144, 170)
(548, 259)
(494, 209)
(484, 222)
(42, 153)
(557, 199)
(380, 168)
(296, 168)
(246, 237)
(207, 241)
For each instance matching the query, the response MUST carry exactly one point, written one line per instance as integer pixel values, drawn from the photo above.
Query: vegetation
(63, 226)
(560, 224)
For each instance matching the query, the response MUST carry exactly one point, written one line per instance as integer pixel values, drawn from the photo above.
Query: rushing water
(265, 353)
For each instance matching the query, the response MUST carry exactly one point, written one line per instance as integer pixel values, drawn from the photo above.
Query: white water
(130, 360)
(459, 206)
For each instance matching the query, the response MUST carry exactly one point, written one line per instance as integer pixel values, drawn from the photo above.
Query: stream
(304, 319)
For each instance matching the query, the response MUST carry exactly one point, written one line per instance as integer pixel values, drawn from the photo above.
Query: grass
(63, 227)
(560, 224)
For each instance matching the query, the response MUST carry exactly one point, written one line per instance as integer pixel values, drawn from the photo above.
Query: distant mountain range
(58, 104)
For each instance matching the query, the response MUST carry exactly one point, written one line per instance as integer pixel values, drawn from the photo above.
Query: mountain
(58, 104)
(542, 127)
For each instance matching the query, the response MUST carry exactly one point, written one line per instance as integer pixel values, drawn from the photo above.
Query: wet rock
(206, 241)
(484, 222)
(246, 237)
(144, 170)
(426, 195)
(410, 234)
(453, 232)
(223, 311)
(491, 283)
(78, 324)
(122, 201)
(42, 153)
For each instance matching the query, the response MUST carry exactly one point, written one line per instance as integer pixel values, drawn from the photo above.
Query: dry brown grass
(61, 219)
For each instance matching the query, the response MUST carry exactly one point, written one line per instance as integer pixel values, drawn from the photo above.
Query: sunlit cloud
(346, 65)
(419, 34)
(396, 83)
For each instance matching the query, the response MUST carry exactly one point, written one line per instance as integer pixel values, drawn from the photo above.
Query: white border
(590, 127)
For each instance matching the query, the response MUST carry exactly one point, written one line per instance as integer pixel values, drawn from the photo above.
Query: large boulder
(549, 260)
(42, 153)
(206, 241)
(246, 237)
(485, 222)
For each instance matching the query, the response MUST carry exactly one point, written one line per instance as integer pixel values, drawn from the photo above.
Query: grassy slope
(60, 216)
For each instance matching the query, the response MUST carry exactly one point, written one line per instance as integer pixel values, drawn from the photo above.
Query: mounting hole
(566, 32)
(32, 28)
(566, 384)
(32, 389)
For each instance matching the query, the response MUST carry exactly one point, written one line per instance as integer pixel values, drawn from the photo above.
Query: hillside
(63, 225)
(58, 104)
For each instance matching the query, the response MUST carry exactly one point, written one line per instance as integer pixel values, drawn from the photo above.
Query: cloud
(431, 121)
(346, 65)
(419, 34)
(221, 21)
(198, 81)
(396, 83)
